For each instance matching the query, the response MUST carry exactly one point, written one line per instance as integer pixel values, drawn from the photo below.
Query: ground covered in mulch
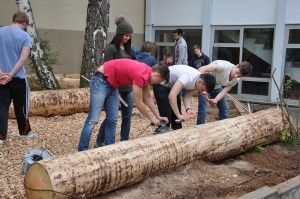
(229, 178)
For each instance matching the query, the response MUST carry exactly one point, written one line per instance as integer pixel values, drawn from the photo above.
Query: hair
(20, 17)
(245, 68)
(168, 55)
(127, 46)
(196, 47)
(209, 81)
(146, 47)
(178, 31)
(163, 70)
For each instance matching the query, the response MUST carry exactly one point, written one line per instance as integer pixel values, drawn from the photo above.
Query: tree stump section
(104, 169)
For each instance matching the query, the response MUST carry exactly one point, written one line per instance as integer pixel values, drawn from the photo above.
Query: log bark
(104, 169)
(97, 22)
(57, 102)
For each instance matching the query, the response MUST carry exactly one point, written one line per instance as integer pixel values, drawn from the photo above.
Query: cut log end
(37, 182)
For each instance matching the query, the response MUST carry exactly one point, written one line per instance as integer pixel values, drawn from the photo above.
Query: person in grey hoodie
(145, 56)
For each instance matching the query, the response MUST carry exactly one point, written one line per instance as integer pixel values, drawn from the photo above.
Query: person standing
(120, 47)
(104, 83)
(227, 76)
(181, 54)
(15, 46)
(199, 59)
(145, 55)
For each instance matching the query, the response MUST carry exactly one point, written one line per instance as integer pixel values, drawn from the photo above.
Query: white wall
(292, 12)
(177, 12)
(244, 12)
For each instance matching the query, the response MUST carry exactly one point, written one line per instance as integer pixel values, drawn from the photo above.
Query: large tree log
(57, 102)
(104, 169)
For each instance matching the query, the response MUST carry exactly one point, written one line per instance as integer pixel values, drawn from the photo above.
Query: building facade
(265, 33)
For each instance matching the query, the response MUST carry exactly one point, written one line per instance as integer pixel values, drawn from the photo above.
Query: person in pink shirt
(104, 93)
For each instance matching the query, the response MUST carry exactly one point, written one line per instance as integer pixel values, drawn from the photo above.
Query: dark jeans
(18, 91)
(161, 94)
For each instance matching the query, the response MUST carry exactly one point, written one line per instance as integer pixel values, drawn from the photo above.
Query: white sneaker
(29, 135)
(1, 143)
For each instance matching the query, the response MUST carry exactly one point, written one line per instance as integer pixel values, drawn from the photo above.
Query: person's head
(241, 70)
(160, 73)
(123, 34)
(168, 59)
(197, 51)
(146, 47)
(205, 83)
(21, 19)
(177, 34)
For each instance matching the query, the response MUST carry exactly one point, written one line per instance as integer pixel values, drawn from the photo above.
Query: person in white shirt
(227, 76)
(167, 93)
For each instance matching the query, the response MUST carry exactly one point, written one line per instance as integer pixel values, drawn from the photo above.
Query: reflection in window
(227, 36)
(294, 36)
(258, 50)
(292, 69)
(225, 53)
(255, 88)
(163, 51)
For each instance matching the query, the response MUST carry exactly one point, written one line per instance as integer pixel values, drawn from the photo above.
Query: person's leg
(5, 100)
(222, 105)
(20, 95)
(161, 94)
(101, 135)
(175, 125)
(111, 106)
(126, 114)
(202, 105)
(98, 93)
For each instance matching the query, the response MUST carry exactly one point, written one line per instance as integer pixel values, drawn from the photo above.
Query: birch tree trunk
(57, 102)
(43, 72)
(104, 169)
(97, 22)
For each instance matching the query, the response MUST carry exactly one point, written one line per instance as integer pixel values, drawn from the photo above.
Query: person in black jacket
(199, 59)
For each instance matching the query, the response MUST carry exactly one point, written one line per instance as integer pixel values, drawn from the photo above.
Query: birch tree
(97, 22)
(44, 73)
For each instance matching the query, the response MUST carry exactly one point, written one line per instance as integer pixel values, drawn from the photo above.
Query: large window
(292, 63)
(253, 44)
(165, 42)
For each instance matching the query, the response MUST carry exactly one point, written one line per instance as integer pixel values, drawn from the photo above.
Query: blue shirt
(12, 41)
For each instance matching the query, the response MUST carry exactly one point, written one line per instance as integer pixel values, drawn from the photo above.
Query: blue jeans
(126, 119)
(101, 95)
(202, 105)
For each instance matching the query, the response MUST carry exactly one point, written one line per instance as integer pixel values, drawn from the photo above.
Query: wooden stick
(238, 102)
(120, 98)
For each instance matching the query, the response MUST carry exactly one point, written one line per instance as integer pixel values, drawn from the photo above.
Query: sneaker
(1, 143)
(28, 136)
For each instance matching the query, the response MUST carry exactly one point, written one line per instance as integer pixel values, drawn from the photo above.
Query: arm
(6, 77)
(187, 101)
(220, 95)
(109, 53)
(173, 99)
(138, 99)
(148, 99)
(208, 68)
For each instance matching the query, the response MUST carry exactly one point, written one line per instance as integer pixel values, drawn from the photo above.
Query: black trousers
(18, 91)
(161, 94)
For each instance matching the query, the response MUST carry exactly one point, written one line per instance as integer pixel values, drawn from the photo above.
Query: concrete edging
(289, 189)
